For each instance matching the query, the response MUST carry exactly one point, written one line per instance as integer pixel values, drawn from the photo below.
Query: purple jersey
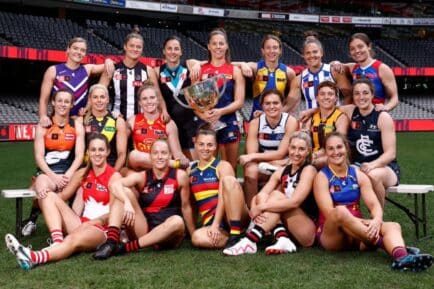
(74, 80)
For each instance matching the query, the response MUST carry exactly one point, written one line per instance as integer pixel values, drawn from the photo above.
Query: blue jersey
(373, 73)
(310, 81)
(344, 191)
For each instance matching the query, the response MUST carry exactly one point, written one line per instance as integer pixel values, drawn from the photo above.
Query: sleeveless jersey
(321, 127)
(160, 198)
(107, 127)
(310, 81)
(74, 80)
(269, 138)
(96, 195)
(373, 73)
(59, 146)
(145, 132)
(125, 85)
(288, 183)
(208, 70)
(204, 184)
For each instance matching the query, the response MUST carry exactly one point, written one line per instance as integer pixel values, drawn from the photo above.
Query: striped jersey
(126, 82)
(372, 71)
(310, 81)
(320, 127)
(74, 80)
(269, 137)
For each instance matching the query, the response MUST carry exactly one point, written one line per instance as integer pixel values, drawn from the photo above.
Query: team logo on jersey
(363, 145)
(55, 136)
(356, 125)
(169, 189)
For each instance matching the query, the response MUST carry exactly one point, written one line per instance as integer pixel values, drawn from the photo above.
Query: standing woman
(232, 99)
(372, 139)
(267, 140)
(173, 76)
(99, 119)
(306, 83)
(128, 77)
(85, 222)
(338, 188)
(268, 73)
(59, 151)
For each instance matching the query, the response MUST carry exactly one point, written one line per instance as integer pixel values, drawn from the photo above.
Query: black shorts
(396, 169)
(156, 219)
(187, 131)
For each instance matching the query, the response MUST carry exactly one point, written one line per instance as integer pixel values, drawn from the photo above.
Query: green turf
(191, 268)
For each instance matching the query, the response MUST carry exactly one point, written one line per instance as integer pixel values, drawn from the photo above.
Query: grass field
(191, 268)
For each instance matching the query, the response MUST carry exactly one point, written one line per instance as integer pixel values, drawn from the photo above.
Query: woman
(326, 119)
(152, 215)
(268, 73)
(148, 126)
(267, 140)
(381, 75)
(84, 223)
(127, 78)
(172, 77)
(338, 189)
(59, 151)
(372, 139)
(291, 207)
(218, 195)
(307, 81)
(99, 119)
(232, 99)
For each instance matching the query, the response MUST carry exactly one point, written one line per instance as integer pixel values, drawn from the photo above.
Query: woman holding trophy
(231, 98)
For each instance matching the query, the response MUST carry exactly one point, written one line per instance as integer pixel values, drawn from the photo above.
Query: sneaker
(28, 229)
(283, 246)
(413, 250)
(266, 168)
(20, 252)
(233, 239)
(105, 251)
(414, 263)
(244, 246)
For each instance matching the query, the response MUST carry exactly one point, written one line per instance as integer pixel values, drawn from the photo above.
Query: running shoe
(282, 246)
(244, 246)
(413, 250)
(233, 239)
(20, 252)
(28, 229)
(266, 168)
(105, 251)
(414, 263)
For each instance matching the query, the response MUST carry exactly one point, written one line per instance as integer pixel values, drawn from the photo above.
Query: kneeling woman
(152, 216)
(338, 188)
(84, 223)
(290, 207)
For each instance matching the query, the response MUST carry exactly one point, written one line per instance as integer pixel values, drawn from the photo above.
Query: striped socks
(56, 236)
(235, 228)
(255, 235)
(39, 257)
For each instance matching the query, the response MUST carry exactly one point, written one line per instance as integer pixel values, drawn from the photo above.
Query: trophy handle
(224, 83)
(175, 96)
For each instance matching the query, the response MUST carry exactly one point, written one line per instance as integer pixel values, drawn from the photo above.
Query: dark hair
(76, 39)
(273, 37)
(134, 34)
(220, 31)
(365, 38)
(344, 140)
(93, 136)
(310, 34)
(271, 91)
(206, 129)
(54, 95)
(364, 80)
(172, 37)
(328, 83)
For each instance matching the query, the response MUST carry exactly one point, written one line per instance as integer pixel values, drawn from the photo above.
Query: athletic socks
(280, 231)
(235, 228)
(56, 236)
(399, 252)
(39, 257)
(132, 246)
(256, 234)
(113, 233)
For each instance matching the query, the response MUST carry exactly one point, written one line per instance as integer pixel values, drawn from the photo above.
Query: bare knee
(339, 214)
(251, 172)
(388, 227)
(198, 239)
(176, 224)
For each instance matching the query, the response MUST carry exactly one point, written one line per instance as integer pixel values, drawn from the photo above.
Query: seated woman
(153, 215)
(84, 223)
(147, 127)
(290, 207)
(372, 139)
(219, 196)
(99, 119)
(338, 189)
(267, 140)
(327, 119)
(59, 151)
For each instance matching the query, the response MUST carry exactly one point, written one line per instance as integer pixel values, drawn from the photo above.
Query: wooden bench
(415, 217)
(18, 195)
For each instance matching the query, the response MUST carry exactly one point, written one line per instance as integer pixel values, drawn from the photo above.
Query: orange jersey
(145, 132)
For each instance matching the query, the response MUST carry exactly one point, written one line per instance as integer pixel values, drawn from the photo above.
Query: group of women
(313, 197)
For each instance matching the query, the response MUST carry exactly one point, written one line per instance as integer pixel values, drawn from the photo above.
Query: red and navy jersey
(373, 73)
(145, 132)
(207, 71)
(96, 195)
(160, 198)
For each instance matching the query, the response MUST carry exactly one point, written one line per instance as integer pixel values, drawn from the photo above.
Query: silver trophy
(204, 96)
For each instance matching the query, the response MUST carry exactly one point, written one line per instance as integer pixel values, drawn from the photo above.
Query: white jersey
(310, 81)
(270, 137)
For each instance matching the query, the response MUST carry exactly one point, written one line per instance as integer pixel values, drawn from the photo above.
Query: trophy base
(218, 125)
